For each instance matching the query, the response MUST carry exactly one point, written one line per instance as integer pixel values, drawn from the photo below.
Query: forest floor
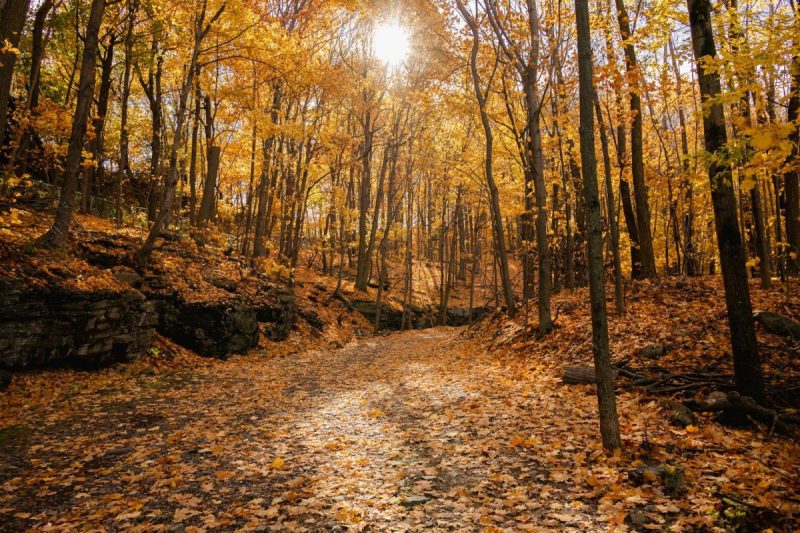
(411, 431)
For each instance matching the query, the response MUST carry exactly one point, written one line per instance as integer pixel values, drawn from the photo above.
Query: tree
(609, 425)
(645, 242)
(527, 69)
(747, 365)
(12, 15)
(201, 29)
(494, 196)
(58, 234)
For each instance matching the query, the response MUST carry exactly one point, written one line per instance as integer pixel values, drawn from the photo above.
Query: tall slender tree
(747, 364)
(58, 233)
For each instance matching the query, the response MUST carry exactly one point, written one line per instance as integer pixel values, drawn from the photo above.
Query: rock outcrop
(420, 317)
(211, 329)
(49, 324)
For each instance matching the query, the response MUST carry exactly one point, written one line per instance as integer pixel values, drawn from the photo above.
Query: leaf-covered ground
(414, 431)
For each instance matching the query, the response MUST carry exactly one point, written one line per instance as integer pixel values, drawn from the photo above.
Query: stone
(223, 283)
(413, 501)
(678, 414)
(311, 316)
(211, 329)
(50, 324)
(654, 351)
(127, 276)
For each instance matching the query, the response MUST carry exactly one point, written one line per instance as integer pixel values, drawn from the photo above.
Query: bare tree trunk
(637, 143)
(609, 424)
(747, 364)
(613, 227)
(494, 195)
(58, 234)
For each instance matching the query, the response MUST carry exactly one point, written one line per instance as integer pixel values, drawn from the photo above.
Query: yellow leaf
(761, 141)
(278, 463)
(691, 429)
(649, 475)
(349, 516)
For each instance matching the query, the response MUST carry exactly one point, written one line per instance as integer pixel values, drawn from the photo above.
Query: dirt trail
(411, 431)
(421, 430)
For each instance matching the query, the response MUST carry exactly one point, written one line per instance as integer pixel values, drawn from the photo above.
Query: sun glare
(391, 43)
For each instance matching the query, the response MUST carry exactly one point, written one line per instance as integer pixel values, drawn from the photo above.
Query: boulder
(127, 276)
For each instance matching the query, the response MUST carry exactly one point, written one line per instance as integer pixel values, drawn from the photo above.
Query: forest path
(415, 430)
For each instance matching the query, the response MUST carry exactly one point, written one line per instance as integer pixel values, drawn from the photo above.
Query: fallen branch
(720, 401)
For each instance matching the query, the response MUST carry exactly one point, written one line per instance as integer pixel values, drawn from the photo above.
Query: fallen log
(583, 375)
(778, 324)
(720, 401)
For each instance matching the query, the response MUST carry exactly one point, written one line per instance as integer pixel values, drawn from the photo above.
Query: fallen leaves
(406, 432)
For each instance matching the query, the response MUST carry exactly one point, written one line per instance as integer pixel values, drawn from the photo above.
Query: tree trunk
(494, 195)
(791, 180)
(95, 173)
(609, 425)
(536, 160)
(613, 227)
(21, 153)
(363, 261)
(747, 365)
(201, 29)
(57, 235)
(13, 20)
(645, 241)
(264, 185)
(124, 171)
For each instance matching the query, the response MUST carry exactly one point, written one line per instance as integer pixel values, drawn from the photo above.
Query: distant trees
(272, 128)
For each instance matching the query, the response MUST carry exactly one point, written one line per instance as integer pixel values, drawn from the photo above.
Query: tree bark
(57, 235)
(609, 425)
(747, 365)
(12, 16)
(637, 157)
